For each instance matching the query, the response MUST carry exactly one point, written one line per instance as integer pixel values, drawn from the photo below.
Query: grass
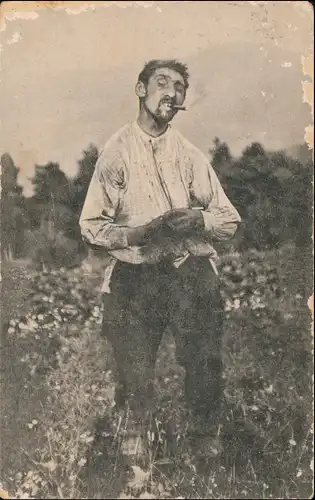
(89, 450)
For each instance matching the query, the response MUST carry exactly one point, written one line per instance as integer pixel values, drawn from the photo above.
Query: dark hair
(151, 66)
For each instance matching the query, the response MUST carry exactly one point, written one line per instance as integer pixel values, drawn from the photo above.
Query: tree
(220, 153)
(13, 217)
(79, 187)
(254, 150)
(50, 207)
(51, 185)
(272, 192)
(81, 182)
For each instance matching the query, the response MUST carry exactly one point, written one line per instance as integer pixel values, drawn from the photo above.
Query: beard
(163, 113)
(164, 116)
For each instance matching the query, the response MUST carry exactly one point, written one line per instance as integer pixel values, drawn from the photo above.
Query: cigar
(179, 108)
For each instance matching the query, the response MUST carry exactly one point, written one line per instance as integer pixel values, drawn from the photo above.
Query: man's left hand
(184, 220)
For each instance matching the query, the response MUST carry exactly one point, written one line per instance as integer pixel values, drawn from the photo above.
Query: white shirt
(138, 178)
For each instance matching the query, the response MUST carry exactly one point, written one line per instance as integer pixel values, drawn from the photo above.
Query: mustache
(172, 103)
(167, 100)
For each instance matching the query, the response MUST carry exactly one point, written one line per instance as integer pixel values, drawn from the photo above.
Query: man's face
(165, 88)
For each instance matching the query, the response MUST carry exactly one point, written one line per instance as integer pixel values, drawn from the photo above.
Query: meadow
(63, 438)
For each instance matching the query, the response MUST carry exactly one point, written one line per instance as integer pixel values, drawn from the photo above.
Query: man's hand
(184, 220)
(178, 222)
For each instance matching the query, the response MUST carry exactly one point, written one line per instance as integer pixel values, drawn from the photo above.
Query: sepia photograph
(156, 250)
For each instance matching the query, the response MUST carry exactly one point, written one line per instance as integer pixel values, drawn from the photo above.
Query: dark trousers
(144, 301)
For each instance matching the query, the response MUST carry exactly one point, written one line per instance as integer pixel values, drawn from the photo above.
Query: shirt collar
(148, 138)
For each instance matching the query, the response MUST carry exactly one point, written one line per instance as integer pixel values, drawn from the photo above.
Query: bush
(52, 253)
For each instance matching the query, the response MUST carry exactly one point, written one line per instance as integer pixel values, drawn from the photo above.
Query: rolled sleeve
(221, 219)
(222, 225)
(104, 234)
(106, 189)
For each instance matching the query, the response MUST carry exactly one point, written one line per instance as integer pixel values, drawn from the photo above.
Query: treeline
(272, 190)
(45, 226)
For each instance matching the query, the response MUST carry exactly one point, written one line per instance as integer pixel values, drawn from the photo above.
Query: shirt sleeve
(221, 219)
(102, 203)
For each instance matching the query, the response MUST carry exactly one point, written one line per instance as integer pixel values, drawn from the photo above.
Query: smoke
(196, 94)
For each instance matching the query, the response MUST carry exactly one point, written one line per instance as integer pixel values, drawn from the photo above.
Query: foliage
(87, 448)
(79, 186)
(45, 226)
(51, 251)
(273, 193)
(13, 220)
(81, 181)
(51, 185)
(90, 450)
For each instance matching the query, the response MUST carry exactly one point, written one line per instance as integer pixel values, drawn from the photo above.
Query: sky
(68, 75)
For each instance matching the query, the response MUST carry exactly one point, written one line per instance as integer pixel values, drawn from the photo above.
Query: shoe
(207, 427)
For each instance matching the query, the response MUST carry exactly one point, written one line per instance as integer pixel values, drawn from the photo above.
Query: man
(156, 206)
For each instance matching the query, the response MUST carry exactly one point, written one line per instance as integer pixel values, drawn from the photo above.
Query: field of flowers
(63, 438)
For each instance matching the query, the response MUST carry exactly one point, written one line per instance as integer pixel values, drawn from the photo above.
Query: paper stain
(79, 10)
(4, 494)
(286, 64)
(308, 96)
(15, 38)
(14, 15)
(11, 11)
